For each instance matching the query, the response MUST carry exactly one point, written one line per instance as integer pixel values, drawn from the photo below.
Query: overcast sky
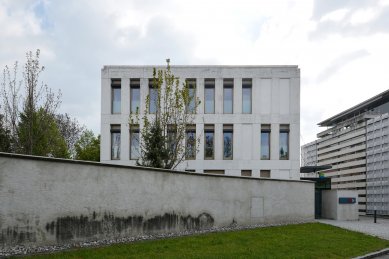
(341, 46)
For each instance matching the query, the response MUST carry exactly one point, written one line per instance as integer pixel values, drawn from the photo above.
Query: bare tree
(71, 131)
(170, 111)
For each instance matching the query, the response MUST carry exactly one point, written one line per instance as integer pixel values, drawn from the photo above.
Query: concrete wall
(332, 209)
(275, 101)
(48, 201)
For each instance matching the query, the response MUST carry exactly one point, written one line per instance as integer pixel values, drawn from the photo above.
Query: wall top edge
(61, 160)
(198, 66)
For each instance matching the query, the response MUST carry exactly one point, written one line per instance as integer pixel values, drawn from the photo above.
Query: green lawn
(311, 240)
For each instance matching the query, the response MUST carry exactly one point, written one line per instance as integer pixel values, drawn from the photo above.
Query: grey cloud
(379, 24)
(323, 7)
(84, 39)
(339, 63)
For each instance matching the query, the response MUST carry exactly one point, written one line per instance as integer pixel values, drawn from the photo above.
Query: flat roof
(357, 109)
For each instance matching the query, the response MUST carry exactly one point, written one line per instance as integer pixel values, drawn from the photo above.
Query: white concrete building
(256, 108)
(354, 145)
(377, 165)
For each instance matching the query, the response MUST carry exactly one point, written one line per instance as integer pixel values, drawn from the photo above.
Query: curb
(374, 254)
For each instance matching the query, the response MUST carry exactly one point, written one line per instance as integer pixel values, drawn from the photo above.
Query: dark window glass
(209, 147)
(190, 144)
(115, 142)
(135, 95)
(284, 145)
(246, 96)
(265, 145)
(192, 95)
(209, 96)
(228, 89)
(134, 144)
(228, 147)
(153, 95)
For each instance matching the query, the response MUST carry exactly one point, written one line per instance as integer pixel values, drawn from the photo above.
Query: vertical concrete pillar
(200, 94)
(218, 141)
(125, 112)
(144, 91)
(275, 141)
(237, 96)
(200, 134)
(275, 96)
(256, 138)
(219, 96)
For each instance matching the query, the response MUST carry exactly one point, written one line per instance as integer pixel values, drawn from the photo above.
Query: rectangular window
(213, 171)
(171, 137)
(153, 96)
(209, 141)
(115, 142)
(190, 142)
(134, 142)
(246, 95)
(135, 95)
(246, 173)
(116, 95)
(264, 174)
(209, 96)
(228, 94)
(265, 141)
(227, 141)
(191, 83)
(284, 142)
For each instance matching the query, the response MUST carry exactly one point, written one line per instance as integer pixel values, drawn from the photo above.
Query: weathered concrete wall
(48, 201)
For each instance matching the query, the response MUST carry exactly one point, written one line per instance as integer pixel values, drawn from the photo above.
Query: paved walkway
(364, 224)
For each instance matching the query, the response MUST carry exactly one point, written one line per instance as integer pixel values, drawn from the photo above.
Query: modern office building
(356, 145)
(248, 119)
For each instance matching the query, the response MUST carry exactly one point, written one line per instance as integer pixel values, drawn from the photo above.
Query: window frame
(247, 84)
(115, 129)
(116, 84)
(209, 129)
(134, 85)
(209, 83)
(134, 129)
(228, 83)
(284, 129)
(266, 128)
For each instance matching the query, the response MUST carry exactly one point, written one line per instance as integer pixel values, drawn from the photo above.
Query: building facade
(248, 120)
(354, 145)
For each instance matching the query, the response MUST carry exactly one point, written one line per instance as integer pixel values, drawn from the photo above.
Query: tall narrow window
(116, 95)
(190, 142)
(191, 83)
(135, 95)
(171, 137)
(284, 142)
(209, 95)
(209, 141)
(228, 95)
(153, 97)
(265, 141)
(134, 142)
(227, 142)
(246, 95)
(115, 142)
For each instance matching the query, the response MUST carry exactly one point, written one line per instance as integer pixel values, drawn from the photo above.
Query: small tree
(170, 109)
(71, 131)
(47, 139)
(5, 138)
(88, 147)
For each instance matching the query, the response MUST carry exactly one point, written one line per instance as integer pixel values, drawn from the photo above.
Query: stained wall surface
(49, 201)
